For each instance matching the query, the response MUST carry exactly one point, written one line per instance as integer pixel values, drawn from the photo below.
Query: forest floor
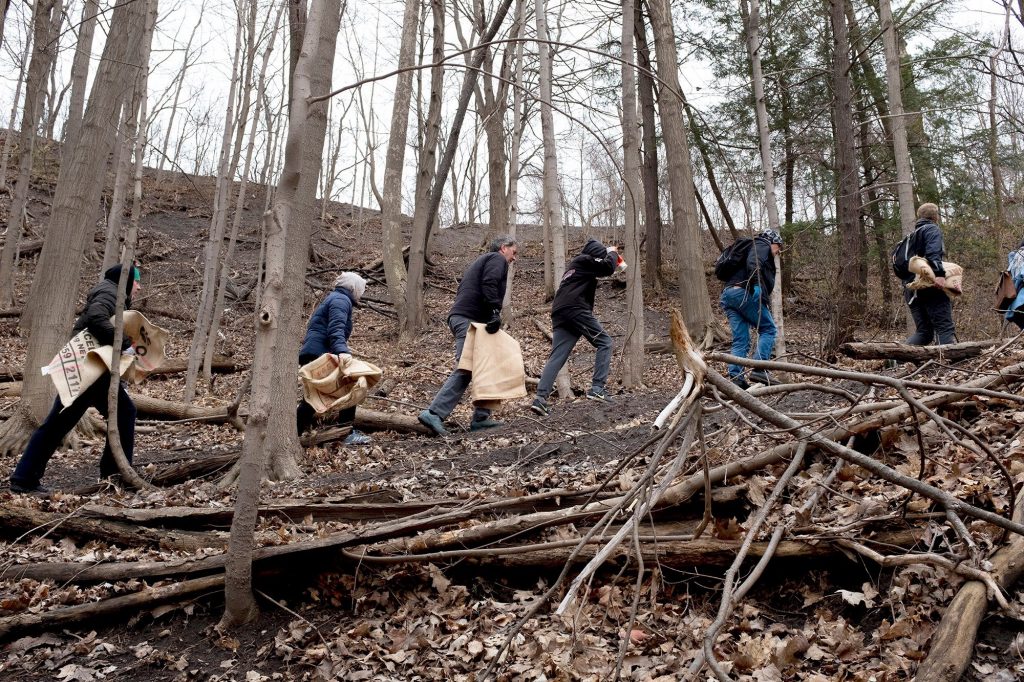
(339, 616)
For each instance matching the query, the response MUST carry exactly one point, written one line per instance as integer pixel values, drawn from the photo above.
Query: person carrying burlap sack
(930, 307)
(328, 332)
(96, 319)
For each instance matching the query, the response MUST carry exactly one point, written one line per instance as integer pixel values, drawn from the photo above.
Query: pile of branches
(908, 441)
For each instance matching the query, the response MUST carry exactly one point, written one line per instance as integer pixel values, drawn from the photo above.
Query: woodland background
(245, 153)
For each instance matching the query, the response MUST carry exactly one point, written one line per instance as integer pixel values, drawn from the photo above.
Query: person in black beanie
(478, 299)
(572, 316)
(99, 308)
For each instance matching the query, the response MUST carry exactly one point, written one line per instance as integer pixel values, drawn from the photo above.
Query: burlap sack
(334, 382)
(496, 362)
(82, 360)
(924, 277)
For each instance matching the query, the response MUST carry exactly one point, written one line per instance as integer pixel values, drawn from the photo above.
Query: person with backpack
(327, 332)
(747, 267)
(479, 298)
(572, 316)
(931, 308)
(1014, 310)
(100, 305)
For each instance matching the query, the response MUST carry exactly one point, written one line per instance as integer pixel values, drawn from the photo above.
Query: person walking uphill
(99, 308)
(478, 299)
(328, 332)
(745, 301)
(931, 308)
(572, 316)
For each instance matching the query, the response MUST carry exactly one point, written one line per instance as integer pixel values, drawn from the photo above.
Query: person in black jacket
(478, 299)
(746, 300)
(99, 308)
(931, 308)
(572, 316)
(328, 332)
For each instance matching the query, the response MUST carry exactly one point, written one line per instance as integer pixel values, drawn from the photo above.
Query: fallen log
(890, 350)
(952, 643)
(10, 312)
(221, 365)
(27, 519)
(28, 247)
(22, 623)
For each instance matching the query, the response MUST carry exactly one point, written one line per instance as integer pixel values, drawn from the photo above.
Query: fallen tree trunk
(28, 519)
(10, 312)
(221, 365)
(952, 643)
(23, 623)
(889, 350)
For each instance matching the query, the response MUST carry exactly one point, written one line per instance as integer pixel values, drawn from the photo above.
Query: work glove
(494, 325)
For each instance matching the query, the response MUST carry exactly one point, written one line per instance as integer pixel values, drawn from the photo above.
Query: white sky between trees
(368, 44)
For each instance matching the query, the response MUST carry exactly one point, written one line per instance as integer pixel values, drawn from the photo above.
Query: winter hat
(353, 282)
(113, 273)
(772, 237)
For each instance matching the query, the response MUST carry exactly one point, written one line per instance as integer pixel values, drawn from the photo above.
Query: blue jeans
(565, 334)
(744, 311)
(458, 381)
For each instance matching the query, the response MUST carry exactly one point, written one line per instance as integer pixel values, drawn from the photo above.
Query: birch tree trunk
(54, 289)
(239, 602)
(752, 20)
(394, 165)
(633, 357)
(901, 152)
(693, 287)
(45, 27)
(414, 312)
(850, 295)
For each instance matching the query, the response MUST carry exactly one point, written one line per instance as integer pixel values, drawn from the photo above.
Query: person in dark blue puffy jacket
(328, 332)
(931, 308)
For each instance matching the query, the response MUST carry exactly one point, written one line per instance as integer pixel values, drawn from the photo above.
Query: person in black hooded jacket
(99, 308)
(931, 308)
(572, 316)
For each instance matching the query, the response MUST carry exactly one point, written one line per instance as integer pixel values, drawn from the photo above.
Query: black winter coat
(758, 271)
(579, 283)
(99, 307)
(482, 288)
(927, 243)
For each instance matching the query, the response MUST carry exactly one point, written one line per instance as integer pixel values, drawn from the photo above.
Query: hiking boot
(740, 381)
(761, 376)
(432, 422)
(599, 395)
(540, 406)
(357, 438)
(484, 424)
(29, 488)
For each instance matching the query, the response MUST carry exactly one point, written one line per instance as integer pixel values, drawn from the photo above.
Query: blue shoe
(432, 422)
(598, 395)
(357, 438)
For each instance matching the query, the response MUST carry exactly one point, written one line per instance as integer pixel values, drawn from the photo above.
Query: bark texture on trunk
(633, 368)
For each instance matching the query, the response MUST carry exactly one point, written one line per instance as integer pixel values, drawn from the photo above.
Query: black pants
(47, 438)
(933, 316)
(305, 415)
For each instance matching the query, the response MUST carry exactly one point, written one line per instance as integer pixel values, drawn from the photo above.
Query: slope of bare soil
(342, 617)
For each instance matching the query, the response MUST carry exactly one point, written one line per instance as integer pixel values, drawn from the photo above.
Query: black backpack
(901, 255)
(733, 259)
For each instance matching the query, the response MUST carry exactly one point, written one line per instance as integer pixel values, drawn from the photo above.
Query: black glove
(495, 324)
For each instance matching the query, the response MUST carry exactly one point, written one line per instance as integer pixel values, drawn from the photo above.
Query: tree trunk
(394, 165)
(709, 169)
(518, 121)
(993, 129)
(79, 185)
(46, 25)
(901, 152)
(239, 601)
(752, 19)
(80, 72)
(850, 294)
(633, 355)
(693, 287)
(179, 82)
(123, 160)
(414, 312)
(649, 171)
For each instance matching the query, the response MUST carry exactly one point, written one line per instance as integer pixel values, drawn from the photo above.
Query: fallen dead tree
(221, 365)
(904, 352)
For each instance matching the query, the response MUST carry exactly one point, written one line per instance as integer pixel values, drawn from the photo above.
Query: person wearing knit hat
(328, 332)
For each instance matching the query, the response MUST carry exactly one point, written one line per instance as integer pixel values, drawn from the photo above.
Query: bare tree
(282, 251)
(552, 195)
(752, 21)
(649, 169)
(633, 357)
(901, 151)
(47, 19)
(79, 185)
(80, 71)
(187, 62)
